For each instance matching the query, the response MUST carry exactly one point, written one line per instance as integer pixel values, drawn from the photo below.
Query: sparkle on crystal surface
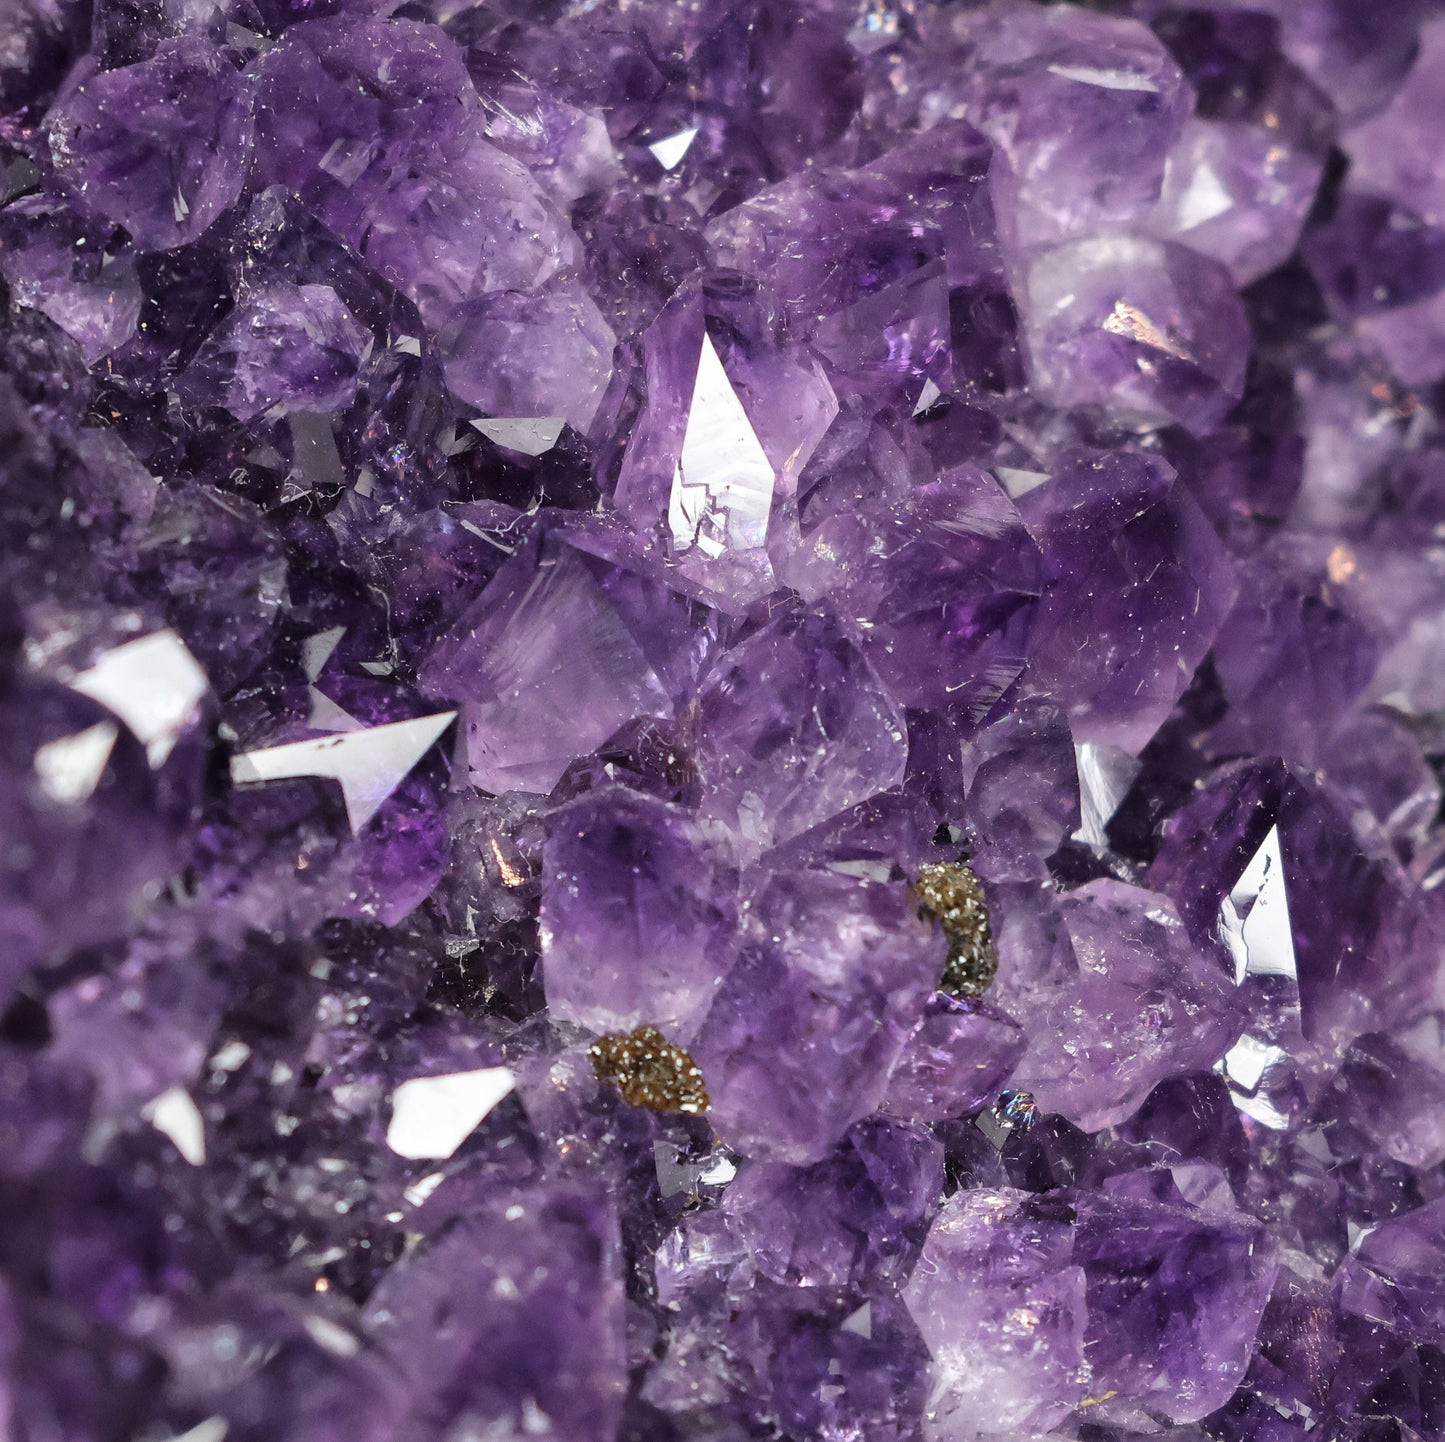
(70, 767)
(154, 685)
(432, 1116)
(369, 765)
(722, 490)
(1254, 918)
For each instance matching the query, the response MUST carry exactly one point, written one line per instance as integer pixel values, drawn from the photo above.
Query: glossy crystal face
(722, 722)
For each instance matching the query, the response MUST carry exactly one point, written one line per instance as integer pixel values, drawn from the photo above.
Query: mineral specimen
(722, 722)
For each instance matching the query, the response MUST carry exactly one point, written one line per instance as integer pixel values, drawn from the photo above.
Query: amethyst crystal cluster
(721, 721)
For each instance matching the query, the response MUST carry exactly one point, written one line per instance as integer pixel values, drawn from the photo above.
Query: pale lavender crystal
(548, 664)
(1174, 1301)
(544, 354)
(83, 278)
(1122, 999)
(1084, 109)
(792, 727)
(730, 419)
(296, 347)
(1033, 1307)
(1149, 330)
(852, 1219)
(1393, 154)
(830, 978)
(1396, 1273)
(942, 583)
(161, 147)
(1000, 1303)
(1136, 585)
(391, 152)
(958, 1058)
(512, 1317)
(636, 921)
(1237, 193)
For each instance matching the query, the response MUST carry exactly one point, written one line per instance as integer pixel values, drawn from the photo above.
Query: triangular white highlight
(722, 490)
(368, 765)
(670, 150)
(928, 397)
(70, 767)
(1254, 918)
(1017, 482)
(1105, 79)
(431, 1116)
(176, 1115)
(1105, 776)
(527, 435)
(316, 650)
(1204, 198)
(154, 685)
(326, 715)
(860, 1323)
(213, 1429)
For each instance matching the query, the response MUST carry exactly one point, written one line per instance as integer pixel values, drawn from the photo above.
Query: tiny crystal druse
(722, 721)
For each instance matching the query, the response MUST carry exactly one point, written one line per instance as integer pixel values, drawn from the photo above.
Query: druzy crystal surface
(722, 721)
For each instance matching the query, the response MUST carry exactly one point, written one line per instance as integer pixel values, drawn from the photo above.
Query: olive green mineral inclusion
(950, 893)
(650, 1072)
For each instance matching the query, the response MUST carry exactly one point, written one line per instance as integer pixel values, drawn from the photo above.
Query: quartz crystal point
(555, 655)
(943, 584)
(793, 727)
(636, 915)
(1150, 330)
(161, 147)
(1032, 1307)
(1084, 109)
(1126, 997)
(830, 977)
(729, 422)
(1119, 531)
(391, 152)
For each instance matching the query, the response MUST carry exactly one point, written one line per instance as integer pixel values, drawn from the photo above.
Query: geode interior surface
(722, 721)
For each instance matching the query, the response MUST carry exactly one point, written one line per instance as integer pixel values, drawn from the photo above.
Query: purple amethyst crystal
(845, 967)
(722, 722)
(1119, 532)
(161, 147)
(636, 915)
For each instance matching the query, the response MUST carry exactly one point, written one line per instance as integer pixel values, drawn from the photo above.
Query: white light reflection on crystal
(176, 1116)
(70, 767)
(527, 435)
(1105, 776)
(154, 685)
(1105, 79)
(1254, 918)
(722, 490)
(432, 1116)
(368, 765)
(669, 151)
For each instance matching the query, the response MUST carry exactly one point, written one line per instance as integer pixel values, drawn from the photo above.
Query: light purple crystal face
(547, 664)
(1083, 109)
(1124, 1000)
(792, 727)
(846, 966)
(1149, 330)
(722, 722)
(730, 421)
(161, 147)
(288, 346)
(391, 153)
(636, 916)
(1127, 554)
(1033, 1307)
